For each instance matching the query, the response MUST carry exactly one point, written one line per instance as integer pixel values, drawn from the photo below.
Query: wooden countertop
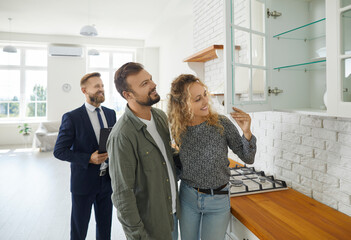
(288, 214)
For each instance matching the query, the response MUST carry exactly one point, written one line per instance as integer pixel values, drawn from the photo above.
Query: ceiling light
(88, 30)
(93, 52)
(9, 48)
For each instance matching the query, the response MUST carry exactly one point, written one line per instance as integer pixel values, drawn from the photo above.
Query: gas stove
(246, 180)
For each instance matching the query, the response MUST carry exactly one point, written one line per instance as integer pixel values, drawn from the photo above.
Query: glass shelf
(305, 111)
(306, 32)
(316, 64)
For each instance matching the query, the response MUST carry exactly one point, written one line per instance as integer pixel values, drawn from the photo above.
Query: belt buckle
(102, 173)
(198, 190)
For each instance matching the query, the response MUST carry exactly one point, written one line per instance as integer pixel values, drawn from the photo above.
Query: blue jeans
(203, 215)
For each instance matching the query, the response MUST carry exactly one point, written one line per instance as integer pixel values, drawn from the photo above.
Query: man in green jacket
(141, 161)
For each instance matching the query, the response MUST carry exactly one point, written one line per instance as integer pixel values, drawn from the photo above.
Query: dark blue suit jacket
(75, 143)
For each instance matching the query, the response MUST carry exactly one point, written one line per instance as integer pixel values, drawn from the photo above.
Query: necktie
(104, 164)
(99, 117)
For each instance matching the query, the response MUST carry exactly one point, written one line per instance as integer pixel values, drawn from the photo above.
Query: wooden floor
(35, 201)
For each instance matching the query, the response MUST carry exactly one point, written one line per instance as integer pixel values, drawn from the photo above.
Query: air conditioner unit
(65, 50)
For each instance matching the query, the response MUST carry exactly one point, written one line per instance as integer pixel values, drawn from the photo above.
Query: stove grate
(252, 181)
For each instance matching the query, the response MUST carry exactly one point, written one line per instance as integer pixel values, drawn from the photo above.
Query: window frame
(230, 64)
(23, 68)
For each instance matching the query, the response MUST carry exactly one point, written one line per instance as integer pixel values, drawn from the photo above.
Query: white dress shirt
(92, 113)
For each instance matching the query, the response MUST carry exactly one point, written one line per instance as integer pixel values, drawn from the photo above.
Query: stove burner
(245, 170)
(262, 179)
(236, 183)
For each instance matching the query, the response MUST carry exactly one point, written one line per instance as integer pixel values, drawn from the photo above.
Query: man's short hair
(121, 75)
(87, 76)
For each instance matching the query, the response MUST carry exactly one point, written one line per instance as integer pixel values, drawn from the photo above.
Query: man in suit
(78, 143)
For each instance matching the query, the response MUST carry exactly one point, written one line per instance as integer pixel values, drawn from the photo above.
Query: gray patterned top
(204, 153)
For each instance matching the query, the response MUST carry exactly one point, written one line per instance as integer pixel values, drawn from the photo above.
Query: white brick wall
(311, 159)
(209, 30)
(311, 153)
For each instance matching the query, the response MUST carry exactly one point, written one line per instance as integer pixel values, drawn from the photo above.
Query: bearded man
(141, 159)
(78, 143)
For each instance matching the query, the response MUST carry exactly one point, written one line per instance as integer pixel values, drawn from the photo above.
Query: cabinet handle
(275, 91)
(273, 14)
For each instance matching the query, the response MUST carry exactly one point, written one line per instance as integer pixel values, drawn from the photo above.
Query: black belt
(215, 191)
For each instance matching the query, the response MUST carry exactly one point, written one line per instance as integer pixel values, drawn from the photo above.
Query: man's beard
(97, 98)
(149, 101)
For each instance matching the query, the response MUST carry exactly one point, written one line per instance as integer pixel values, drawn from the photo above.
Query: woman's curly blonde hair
(180, 114)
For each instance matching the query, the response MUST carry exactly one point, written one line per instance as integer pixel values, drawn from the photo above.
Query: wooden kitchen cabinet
(295, 56)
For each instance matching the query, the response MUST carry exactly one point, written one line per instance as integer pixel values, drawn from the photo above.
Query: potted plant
(25, 129)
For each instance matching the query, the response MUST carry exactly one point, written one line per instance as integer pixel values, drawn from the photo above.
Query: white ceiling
(131, 19)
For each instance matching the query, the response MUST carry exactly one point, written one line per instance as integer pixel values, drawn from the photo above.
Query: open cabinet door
(246, 65)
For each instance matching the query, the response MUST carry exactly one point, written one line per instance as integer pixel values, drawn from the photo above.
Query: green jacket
(139, 177)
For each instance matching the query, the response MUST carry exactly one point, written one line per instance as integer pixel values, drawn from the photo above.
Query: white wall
(149, 56)
(173, 51)
(63, 70)
(175, 40)
(311, 153)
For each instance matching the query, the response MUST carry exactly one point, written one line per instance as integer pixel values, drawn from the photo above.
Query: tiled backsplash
(311, 153)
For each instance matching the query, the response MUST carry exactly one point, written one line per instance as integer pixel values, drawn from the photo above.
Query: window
(23, 84)
(246, 61)
(107, 64)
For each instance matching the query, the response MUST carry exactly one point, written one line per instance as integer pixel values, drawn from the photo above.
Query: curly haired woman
(203, 138)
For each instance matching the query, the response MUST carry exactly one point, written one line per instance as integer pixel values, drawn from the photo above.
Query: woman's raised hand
(243, 120)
